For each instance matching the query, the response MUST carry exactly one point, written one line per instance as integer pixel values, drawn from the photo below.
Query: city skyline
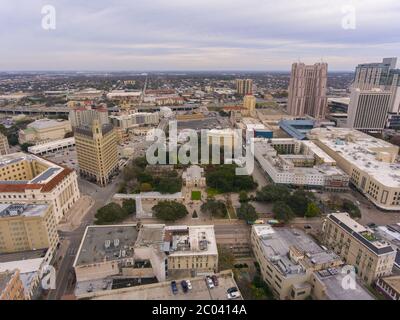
(196, 36)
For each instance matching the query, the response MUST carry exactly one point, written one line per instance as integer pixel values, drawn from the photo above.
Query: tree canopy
(224, 179)
(247, 212)
(110, 213)
(216, 208)
(312, 210)
(282, 211)
(169, 210)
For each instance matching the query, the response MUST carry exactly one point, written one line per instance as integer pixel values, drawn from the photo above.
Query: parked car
(215, 280)
(209, 282)
(174, 287)
(233, 289)
(184, 286)
(233, 295)
(189, 284)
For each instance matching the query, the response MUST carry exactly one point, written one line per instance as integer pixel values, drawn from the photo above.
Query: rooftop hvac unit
(107, 244)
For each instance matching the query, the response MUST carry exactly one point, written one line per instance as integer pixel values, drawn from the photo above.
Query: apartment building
(244, 87)
(4, 146)
(44, 130)
(295, 267)
(372, 258)
(300, 163)
(370, 162)
(29, 179)
(307, 90)
(97, 152)
(85, 115)
(149, 252)
(11, 287)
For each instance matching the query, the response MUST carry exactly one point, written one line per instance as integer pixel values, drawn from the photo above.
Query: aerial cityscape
(204, 172)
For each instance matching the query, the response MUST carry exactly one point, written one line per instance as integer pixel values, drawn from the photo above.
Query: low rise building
(48, 147)
(193, 177)
(372, 258)
(43, 130)
(29, 179)
(370, 162)
(294, 162)
(295, 267)
(148, 253)
(390, 287)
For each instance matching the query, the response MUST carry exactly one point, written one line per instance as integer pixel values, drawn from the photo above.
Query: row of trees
(288, 204)
(224, 179)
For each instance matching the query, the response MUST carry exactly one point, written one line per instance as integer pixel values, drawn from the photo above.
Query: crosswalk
(72, 251)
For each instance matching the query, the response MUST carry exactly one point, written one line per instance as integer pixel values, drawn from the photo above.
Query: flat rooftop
(334, 289)
(30, 210)
(106, 243)
(276, 244)
(362, 150)
(362, 234)
(162, 291)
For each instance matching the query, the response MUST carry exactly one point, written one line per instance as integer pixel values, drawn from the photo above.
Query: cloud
(195, 34)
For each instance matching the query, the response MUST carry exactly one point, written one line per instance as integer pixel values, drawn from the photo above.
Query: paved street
(65, 273)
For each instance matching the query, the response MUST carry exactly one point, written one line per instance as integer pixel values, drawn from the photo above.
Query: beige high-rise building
(85, 115)
(11, 286)
(244, 86)
(4, 147)
(26, 227)
(97, 152)
(307, 90)
(358, 246)
(249, 105)
(29, 179)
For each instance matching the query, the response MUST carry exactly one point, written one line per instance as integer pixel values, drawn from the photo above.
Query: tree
(243, 197)
(247, 212)
(129, 206)
(168, 185)
(224, 179)
(282, 211)
(216, 208)
(110, 213)
(169, 210)
(145, 187)
(226, 260)
(25, 146)
(351, 208)
(273, 193)
(299, 202)
(312, 210)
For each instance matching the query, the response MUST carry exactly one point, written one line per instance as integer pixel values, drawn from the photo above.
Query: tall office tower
(368, 109)
(244, 86)
(249, 105)
(84, 116)
(374, 75)
(382, 76)
(97, 152)
(307, 90)
(4, 147)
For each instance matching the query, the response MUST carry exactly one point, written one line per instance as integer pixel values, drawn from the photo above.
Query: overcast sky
(195, 34)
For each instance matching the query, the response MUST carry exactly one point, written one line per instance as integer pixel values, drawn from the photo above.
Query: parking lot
(66, 157)
(162, 291)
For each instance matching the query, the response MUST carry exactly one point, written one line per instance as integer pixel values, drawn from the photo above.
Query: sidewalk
(74, 217)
